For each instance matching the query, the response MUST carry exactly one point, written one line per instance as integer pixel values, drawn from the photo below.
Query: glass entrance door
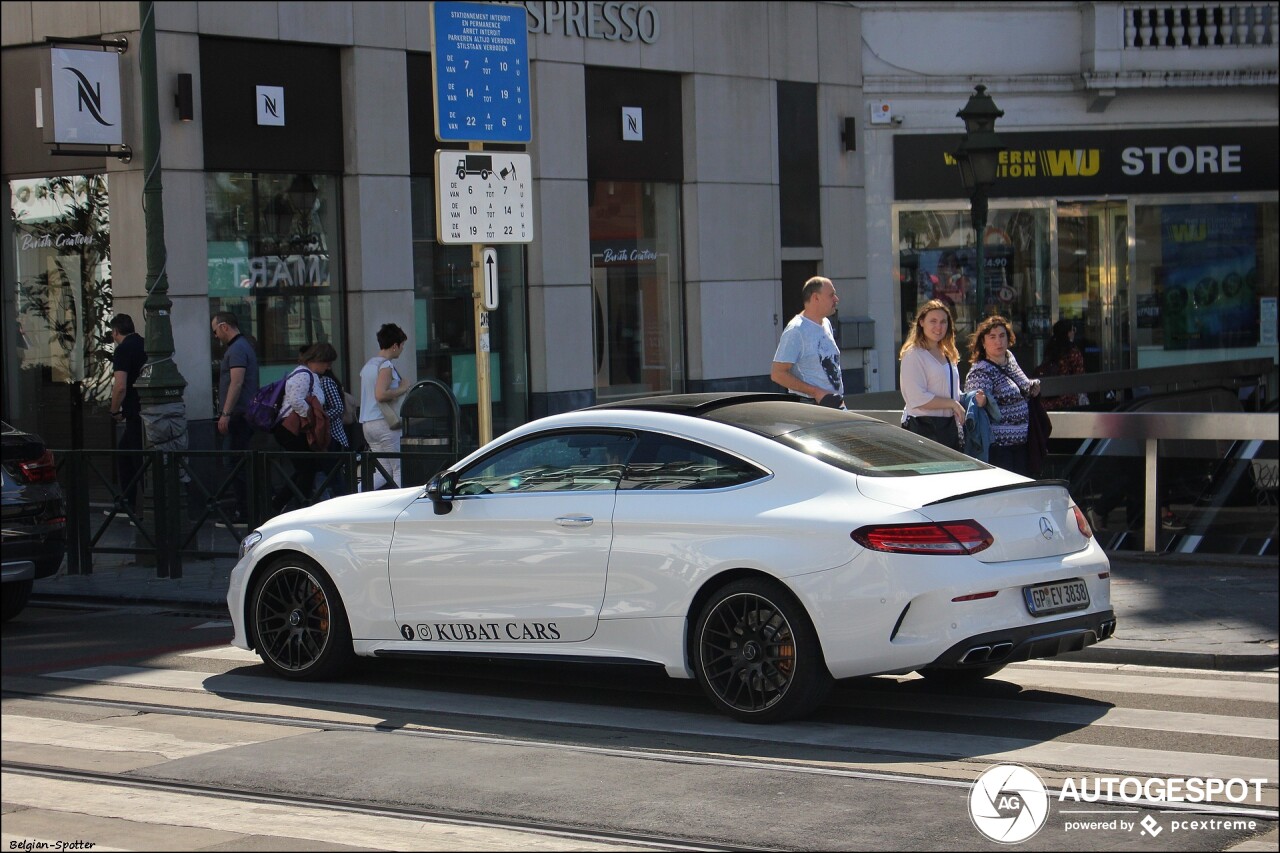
(1093, 281)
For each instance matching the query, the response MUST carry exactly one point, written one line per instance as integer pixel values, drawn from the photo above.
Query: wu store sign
(84, 87)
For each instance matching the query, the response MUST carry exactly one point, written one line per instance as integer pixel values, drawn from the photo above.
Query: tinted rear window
(852, 443)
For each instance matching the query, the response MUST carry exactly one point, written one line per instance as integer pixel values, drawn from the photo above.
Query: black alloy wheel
(299, 622)
(757, 655)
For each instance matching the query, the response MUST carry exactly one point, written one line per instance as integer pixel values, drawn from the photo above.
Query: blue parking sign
(480, 57)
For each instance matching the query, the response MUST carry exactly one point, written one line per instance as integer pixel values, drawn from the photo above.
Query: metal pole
(484, 410)
(159, 385)
(979, 213)
(1151, 512)
(160, 381)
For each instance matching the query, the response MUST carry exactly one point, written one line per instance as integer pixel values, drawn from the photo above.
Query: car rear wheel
(959, 677)
(757, 655)
(299, 622)
(15, 595)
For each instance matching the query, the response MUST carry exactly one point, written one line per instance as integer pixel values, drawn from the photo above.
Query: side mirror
(441, 489)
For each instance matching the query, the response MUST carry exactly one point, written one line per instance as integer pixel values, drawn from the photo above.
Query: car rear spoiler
(1007, 488)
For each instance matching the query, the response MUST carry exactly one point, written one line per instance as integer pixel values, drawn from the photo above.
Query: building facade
(1136, 196)
(692, 165)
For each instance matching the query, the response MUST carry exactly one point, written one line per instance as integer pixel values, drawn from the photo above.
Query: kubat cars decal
(481, 631)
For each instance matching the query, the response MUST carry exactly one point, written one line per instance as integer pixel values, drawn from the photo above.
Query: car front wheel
(300, 623)
(756, 653)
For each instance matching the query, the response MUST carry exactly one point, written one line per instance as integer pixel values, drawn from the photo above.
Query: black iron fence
(199, 504)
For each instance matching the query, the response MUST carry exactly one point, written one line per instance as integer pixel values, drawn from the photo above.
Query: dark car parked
(34, 516)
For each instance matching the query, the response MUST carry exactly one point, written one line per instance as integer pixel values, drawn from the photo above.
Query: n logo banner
(85, 88)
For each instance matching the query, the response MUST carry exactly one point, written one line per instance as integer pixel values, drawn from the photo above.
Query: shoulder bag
(316, 425)
(940, 429)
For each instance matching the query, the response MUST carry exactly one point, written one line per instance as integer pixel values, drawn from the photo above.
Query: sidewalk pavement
(1202, 611)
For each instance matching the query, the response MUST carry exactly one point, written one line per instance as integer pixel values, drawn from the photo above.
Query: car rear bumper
(17, 570)
(45, 552)
(1027, 642)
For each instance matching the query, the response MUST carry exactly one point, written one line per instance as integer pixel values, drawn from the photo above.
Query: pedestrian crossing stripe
(863, 739)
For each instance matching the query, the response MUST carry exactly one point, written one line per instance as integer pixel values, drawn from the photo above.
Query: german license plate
(1046, 598)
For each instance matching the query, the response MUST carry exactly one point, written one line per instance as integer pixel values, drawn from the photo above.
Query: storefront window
(273, 244)
(937, 260)
(57, 310)
(635, 279)
(1205, 279)
(444, 320)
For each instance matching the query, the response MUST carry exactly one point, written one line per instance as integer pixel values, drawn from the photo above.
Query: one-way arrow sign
(489, 263)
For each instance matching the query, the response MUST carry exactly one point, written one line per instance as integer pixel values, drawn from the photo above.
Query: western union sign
(1231, 159)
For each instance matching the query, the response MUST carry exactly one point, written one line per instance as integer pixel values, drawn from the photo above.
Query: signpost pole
(480, 64)
(484, 395)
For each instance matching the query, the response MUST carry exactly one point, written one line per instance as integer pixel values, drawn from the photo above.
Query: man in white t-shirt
(807, 361)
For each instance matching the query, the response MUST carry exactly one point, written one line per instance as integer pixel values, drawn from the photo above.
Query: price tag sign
(480, 58)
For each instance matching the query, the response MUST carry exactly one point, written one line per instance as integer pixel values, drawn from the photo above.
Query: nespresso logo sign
(85, 89)
(591, 19)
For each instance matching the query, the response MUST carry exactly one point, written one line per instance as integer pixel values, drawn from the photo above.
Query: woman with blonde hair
(930, 382)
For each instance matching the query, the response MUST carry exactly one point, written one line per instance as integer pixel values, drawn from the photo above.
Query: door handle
(574, 520)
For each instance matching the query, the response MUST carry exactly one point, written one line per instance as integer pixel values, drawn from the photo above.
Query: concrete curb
(1265, 658)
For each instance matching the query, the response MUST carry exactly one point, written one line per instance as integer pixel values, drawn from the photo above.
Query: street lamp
(979, 157)
(302, 195)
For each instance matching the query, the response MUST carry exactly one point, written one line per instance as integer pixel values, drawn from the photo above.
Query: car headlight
(248, 543)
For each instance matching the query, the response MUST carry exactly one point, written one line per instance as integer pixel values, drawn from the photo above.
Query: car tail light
(945, 537)
(1081, 522)
(39, 470)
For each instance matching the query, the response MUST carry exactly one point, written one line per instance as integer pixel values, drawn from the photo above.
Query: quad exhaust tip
(997, 652)
(986, 654)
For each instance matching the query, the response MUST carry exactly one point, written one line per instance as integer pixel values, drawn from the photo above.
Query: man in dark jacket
(127, 361)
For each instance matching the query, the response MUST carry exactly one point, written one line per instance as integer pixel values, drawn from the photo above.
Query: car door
(522, 554)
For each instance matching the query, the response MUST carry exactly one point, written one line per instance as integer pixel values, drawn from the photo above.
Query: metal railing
(1150, 428)
(190, 504)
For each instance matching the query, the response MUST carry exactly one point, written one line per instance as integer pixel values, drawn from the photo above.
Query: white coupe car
(759, 544)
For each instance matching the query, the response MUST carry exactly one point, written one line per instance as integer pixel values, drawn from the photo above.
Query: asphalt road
(140, 728)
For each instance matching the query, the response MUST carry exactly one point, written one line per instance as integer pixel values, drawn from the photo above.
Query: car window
(876, 449)
(665, 462)
(554, 462)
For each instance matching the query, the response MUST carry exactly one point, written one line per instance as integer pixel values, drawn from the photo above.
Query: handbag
(318, 435)
(315, 426)
(943, 430)
(940, 429)
(390, 414)
(1039, 428)
(350, 411)
(390, 411)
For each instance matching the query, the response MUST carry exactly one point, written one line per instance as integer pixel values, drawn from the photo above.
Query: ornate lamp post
(161, 385)
(979, 157)
(302, 195)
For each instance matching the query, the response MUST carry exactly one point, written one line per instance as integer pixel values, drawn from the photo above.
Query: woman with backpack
(303, 426)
